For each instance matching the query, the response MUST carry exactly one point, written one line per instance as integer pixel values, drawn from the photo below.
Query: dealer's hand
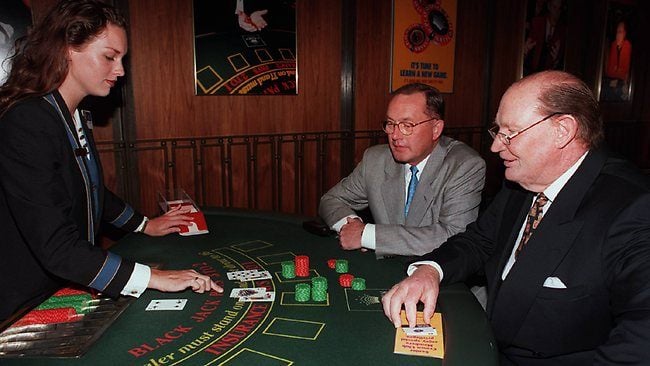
(350, 234)
(423, 285)
(245, 22)
(173, 281)
(257, 18)
(169, 222)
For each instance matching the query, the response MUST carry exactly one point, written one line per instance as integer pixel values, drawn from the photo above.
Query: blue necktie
(413, 184)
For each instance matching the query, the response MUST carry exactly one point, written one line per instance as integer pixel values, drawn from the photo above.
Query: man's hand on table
(350, 234)
(169, 223)
(174, 281)
(423, 285)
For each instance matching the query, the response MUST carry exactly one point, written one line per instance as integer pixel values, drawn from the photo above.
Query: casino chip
(341, 266)
(345, 280)
(302, 266)
(331, 263)
(358, 284)
(288, 269)
(415, 38)
(302, 293)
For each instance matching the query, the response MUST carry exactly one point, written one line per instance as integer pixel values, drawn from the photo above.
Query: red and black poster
(245, 47)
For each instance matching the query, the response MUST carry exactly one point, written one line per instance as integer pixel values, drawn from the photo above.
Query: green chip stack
(319, 289)
(303, 291)
(341, 266)
(288, 269)
(79, 302)
(358, 284)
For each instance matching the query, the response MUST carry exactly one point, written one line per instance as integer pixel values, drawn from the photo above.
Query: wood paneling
(489, 36)
(163, 77)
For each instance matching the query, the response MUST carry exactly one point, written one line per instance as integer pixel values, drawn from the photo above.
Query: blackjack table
(348, 328)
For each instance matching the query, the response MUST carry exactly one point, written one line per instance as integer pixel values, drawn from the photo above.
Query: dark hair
(435, 102)
(39, 63)
(566, 93)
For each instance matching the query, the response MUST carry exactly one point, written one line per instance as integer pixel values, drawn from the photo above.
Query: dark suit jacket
(595, 238)
(47, 211)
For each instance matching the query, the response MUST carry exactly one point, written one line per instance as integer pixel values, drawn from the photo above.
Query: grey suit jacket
(446, 200)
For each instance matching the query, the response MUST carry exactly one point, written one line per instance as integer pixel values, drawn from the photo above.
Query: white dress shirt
(550, 192)
(368, 239)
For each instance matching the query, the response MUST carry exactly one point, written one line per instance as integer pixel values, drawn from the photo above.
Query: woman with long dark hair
(52, 198)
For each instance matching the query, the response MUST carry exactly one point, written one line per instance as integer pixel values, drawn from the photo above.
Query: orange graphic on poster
(424, 43)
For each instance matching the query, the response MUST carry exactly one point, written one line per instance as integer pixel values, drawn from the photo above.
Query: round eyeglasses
(406, 128)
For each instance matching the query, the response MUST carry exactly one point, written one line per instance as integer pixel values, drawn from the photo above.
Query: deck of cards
(172, 199)
(253, 294)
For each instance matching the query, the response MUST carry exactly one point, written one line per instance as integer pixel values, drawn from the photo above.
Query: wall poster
(15, 18)
(245, 47)
(545, 36)
(616, 76)
(424, 43)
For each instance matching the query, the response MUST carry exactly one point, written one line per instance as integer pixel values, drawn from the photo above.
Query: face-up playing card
(166, 304)
(420, 330)
(268, 296)
(248, 275)
(254, 291)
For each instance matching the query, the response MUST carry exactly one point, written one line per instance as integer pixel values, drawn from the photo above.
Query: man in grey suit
(421, 188)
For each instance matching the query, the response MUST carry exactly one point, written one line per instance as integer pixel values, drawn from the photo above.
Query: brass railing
(279, 172)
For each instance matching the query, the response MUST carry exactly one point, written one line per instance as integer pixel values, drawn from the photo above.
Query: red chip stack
(331, 263)
(69, 291)
(302, 266)
(48, 316)
(345, 280)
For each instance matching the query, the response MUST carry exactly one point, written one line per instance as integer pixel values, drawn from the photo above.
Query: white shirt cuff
(368, 237)
(414, 266)
(140, 227)
(138, 281)
(339, 224)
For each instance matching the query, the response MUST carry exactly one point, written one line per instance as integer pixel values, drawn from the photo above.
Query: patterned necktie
(533, 220)
(413, 184)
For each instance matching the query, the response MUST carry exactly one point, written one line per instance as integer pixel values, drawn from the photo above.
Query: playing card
(239, 274)
(261, 275)
(166, 304)
(420, 330)
(248, 275)
(254, 291)
(268, 296)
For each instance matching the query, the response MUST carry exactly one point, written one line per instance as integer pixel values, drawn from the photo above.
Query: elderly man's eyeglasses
(406, 128)
(505, 139)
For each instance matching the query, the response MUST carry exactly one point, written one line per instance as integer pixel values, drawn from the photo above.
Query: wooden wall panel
(373, 53)
(163, 78)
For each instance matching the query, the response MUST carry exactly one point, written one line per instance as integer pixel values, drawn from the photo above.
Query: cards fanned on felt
(422, 340)
(253, 294)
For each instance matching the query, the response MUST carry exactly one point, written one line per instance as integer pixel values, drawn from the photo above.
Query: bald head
(559, 91)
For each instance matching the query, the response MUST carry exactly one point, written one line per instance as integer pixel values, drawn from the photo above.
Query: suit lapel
(392, 190)
(548, 245)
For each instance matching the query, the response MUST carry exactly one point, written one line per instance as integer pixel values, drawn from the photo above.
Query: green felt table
(214, 329)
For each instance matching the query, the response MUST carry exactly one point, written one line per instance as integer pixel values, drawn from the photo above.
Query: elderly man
(565, 245)
(421, 188)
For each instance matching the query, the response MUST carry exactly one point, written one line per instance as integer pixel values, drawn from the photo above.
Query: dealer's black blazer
(595, 238)
(47, 223)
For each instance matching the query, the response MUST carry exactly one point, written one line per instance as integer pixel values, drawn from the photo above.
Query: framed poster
(545, 36)
(424, 43)
(245, 47)
(15, 18)
(616, 76)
